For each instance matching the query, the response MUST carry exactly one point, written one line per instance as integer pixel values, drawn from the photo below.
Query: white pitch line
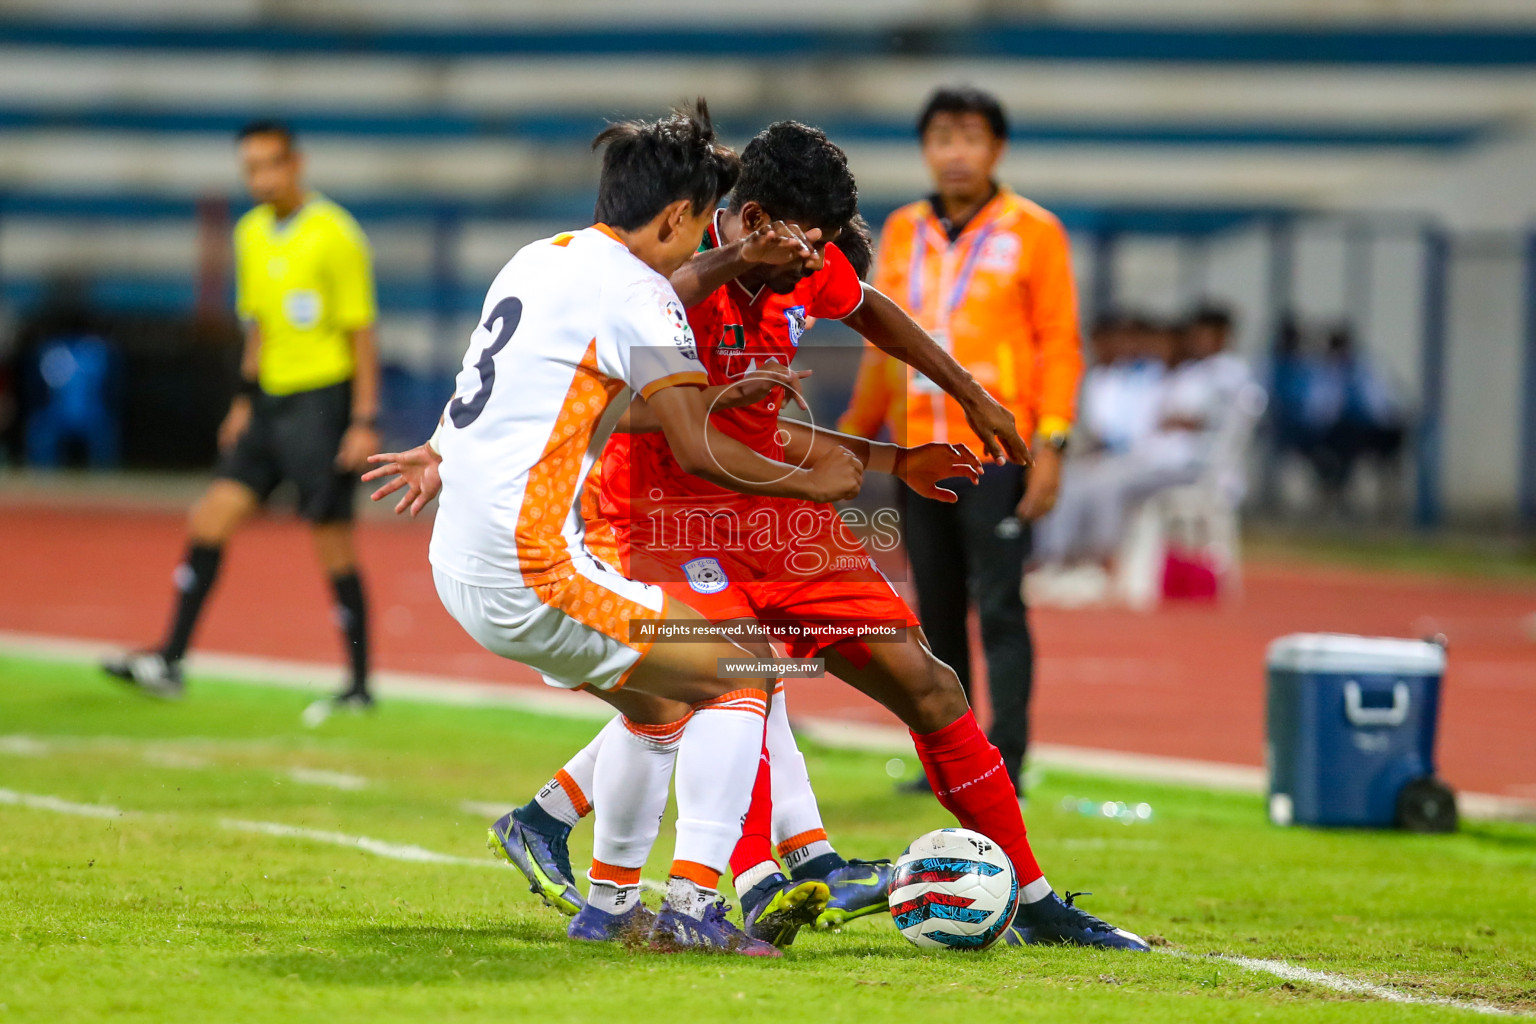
(281, 673)
(421, 855)
(485, 807)
(38, 802)
(1340, 983)
(176, 759)
(328, 779)
(377, 847)
(24, 746)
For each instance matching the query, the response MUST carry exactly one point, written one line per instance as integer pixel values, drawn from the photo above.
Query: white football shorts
(575, 631)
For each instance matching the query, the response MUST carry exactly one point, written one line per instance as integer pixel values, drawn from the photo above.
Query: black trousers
(973, 552)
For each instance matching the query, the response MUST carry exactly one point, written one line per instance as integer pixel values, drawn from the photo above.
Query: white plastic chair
(1201, 516)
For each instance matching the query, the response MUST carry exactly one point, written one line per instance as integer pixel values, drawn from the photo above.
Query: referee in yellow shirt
(307, 408)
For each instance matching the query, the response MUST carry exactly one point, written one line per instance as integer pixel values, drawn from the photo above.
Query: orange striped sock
(798, 849)
(614, 889)
(692, 887)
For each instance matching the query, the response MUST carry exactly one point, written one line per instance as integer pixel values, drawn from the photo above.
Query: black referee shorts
(296, 437)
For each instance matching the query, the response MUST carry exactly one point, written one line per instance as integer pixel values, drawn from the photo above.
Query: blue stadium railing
(1433, 45)
(443, 291)
(577, 128)
(576, 208)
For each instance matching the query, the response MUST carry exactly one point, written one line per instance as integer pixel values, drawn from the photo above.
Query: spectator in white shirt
(1196, 395)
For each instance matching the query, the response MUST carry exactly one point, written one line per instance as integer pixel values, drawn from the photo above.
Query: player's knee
(333, 547)
(735, 689)
(219, 512)
(938, 699)
(208, 523)
(762, 685)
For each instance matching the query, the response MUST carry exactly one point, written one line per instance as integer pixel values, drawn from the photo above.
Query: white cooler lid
(1341, 652)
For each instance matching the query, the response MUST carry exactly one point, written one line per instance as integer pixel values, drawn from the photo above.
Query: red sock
(967, 775)
(755, 845)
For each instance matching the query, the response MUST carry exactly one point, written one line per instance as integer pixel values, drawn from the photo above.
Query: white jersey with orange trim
(571, 326)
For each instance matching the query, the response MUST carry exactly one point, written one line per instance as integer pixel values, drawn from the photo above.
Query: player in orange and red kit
(748, 319)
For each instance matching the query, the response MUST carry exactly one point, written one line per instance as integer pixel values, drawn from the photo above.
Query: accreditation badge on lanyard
(947, 305)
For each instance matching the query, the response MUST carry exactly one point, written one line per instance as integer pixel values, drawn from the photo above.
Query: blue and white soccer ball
(953, 889)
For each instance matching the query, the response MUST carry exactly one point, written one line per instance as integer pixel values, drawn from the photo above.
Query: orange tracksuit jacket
(1000, 299)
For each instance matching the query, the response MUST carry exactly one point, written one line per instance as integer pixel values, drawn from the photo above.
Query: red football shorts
(814, 589)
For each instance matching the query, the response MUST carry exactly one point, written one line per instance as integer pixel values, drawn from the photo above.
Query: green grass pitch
(177, 911)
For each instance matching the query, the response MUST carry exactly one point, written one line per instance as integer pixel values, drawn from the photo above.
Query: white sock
(557, 797)
(687, 897)
(1035, 891)
(748, 880)
(615, 899)
(800, 854)
(634, 767)
(716, 765)
(794, 802)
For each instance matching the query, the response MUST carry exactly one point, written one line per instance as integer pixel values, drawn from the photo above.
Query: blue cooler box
(1352, 732)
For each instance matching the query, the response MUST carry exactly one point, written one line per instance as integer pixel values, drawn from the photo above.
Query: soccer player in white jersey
(568, 325)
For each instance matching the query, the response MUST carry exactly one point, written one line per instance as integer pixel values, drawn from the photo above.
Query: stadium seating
(113, 130)
(1173, 146)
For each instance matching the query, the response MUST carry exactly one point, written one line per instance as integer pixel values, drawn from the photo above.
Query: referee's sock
(352, 616)
(194, 579)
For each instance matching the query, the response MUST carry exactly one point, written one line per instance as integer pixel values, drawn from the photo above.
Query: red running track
(1183, 682)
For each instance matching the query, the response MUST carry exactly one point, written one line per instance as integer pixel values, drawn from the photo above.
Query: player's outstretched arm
(704, 451)
(920, 468)
(778, 243)
(749, 390)
(890, 329)
(416, 471)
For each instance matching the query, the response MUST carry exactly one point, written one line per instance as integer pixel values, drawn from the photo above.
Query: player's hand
(356, 444)
(416, 471)
(236, 422)
(1044, 484)
(999, 434)
(782, 242)
(835, 476)
(922, 468)
(760, 381)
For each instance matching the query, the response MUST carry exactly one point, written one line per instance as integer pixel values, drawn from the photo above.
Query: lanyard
(962, 281)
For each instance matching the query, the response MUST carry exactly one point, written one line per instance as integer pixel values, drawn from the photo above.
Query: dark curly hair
(857, 245)
(651, 164)
(795, 173)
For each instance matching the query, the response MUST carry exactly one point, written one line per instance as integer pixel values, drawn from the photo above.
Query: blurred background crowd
(1301, 234)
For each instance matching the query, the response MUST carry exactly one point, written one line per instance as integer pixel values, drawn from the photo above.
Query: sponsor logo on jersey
(705, 575)
(795, 315)
(683, 339)
(675, 314)
(732, 339)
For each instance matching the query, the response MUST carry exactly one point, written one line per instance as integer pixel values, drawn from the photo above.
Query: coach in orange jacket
(988, 273)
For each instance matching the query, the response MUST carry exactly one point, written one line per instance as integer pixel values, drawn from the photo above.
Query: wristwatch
(1057, 440)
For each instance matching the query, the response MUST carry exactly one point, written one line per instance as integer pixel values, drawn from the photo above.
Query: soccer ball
(953, 889)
